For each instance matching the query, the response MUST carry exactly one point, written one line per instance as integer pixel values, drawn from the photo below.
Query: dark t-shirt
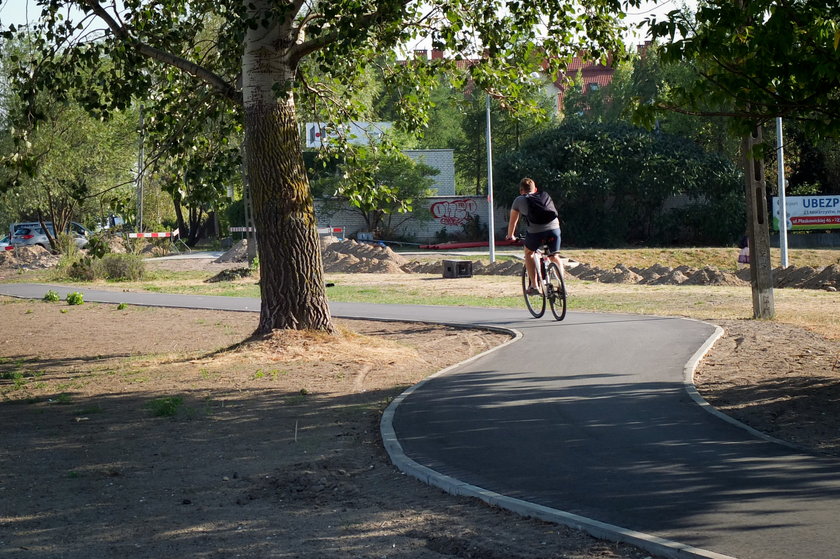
(520, 204)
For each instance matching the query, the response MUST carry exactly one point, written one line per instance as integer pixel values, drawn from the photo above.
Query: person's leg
(530, 267)
(556, 259)
(553, 244)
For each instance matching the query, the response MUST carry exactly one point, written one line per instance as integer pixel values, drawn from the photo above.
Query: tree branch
(301, 50)
(119, 31)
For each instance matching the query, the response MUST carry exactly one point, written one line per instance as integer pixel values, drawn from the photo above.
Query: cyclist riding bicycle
(541, 227)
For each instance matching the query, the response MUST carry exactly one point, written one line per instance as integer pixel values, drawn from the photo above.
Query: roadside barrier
(173, 235)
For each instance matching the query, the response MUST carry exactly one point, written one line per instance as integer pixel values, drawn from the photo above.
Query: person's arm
(512, 222)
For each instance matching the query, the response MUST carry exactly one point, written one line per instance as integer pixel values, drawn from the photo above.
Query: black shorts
(550, 238)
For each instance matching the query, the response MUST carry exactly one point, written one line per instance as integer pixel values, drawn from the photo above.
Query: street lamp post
(491, 225)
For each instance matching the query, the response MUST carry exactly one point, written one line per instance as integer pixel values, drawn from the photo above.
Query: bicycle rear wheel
(535, 303)
(556, 291)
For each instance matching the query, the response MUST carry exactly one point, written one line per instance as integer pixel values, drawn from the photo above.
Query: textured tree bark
(291, 270)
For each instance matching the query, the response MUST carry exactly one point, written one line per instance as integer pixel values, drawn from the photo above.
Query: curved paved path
(588, 422)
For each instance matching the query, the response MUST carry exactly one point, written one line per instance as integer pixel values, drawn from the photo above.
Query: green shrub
(82, 269)
(120, 267)
(134, 246)
(52, 296)
(75, 298)
(165, 407)
(97, 246)
(66, 245)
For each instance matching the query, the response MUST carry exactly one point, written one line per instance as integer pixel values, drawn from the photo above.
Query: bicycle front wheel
(556, 291)
(535, 303)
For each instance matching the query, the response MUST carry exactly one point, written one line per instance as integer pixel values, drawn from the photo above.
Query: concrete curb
(694, 394)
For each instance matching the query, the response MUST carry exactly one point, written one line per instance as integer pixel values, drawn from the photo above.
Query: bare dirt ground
(148, 433)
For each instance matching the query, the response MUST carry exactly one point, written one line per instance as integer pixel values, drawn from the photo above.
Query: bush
(120, 267)
(82, 270)
(98, 246)
(612, 184)
(52, 296)
(112, 266)
(75, 298)
(165, 407)
(66, 246)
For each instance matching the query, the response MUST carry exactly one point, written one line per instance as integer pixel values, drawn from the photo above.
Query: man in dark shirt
(536, 234)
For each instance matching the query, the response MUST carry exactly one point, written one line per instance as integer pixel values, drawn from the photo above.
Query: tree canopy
(611, 181)
(395, 183)
(257, 60)
(760, 58)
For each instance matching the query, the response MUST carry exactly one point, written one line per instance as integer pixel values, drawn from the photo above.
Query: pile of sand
(828, 279)
(371, 258)
(479, 267)
(236, 253)
(361, 258)
(620, 274)
(415, 267)
(27, 258)
(806, 277)
(498, 268)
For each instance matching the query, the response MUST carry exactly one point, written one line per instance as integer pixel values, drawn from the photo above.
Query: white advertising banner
(809, 212)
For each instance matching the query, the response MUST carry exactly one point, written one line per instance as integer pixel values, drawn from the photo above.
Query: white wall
(441, 159)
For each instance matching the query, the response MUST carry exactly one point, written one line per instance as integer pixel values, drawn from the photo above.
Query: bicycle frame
(540, 265)
(548, 279)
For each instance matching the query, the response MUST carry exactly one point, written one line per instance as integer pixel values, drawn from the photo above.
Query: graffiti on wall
(454, 212)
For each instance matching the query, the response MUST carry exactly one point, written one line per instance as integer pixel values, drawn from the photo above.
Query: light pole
(491, 225)
(783, 244)
(140, 163)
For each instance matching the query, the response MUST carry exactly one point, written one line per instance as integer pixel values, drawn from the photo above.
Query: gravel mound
(620, 274)
(828, 279)
(236, 253)
(28, 258)
(361, 258)
(713, 276)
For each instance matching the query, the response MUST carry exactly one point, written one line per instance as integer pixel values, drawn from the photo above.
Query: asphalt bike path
(590, 422)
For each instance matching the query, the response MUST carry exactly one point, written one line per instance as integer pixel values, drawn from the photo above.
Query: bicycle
(549, 283)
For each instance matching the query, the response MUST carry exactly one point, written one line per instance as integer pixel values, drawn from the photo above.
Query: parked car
(31, 234)
(6, 244)
(109, 222)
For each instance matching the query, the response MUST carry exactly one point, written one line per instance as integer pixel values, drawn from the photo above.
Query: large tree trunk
(291, 271)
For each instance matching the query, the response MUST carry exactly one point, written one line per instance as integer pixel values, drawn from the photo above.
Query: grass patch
(395, 294)
(20, 378)
(272, 374)
(62, 399)
(297, 399)
(165, 407)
